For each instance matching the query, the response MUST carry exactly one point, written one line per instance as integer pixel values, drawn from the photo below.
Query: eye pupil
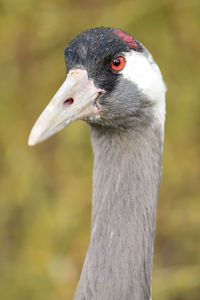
(117, 62)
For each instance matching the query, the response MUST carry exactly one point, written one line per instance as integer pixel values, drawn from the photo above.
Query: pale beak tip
(31, 141)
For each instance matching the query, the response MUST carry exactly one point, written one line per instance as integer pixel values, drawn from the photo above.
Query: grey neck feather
(126, 179)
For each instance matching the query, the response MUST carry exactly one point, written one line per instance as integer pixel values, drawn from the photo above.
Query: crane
(115, 86)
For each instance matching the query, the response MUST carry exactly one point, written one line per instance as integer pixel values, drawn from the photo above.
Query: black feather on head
(94, 50)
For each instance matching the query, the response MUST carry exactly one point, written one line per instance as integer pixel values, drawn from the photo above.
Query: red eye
(118, 63)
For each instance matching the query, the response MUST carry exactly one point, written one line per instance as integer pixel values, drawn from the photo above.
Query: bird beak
(75, 100)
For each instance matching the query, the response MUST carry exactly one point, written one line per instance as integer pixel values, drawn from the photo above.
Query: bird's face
(111, 81)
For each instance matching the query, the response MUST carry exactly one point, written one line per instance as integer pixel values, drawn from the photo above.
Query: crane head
(111, 81)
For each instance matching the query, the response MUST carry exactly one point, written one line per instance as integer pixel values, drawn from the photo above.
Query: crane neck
(126, 179)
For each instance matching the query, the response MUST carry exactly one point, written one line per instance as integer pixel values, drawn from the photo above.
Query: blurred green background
(45, 191)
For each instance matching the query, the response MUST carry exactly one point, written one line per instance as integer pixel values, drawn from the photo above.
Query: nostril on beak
(68, 102)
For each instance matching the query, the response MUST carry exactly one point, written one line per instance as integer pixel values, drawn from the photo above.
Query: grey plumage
(127, 170)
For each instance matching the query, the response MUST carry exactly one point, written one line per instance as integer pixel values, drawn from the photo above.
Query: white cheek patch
(144, 72)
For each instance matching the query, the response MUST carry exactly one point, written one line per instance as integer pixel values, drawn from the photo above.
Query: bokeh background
(45, 191)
